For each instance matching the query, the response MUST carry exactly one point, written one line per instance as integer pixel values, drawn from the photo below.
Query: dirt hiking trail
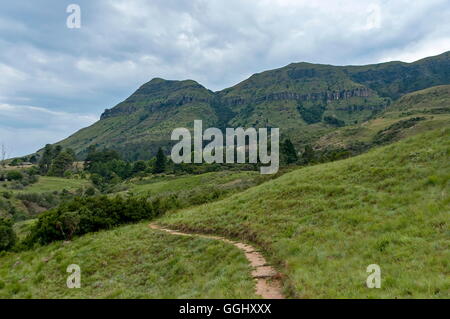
(268, 285)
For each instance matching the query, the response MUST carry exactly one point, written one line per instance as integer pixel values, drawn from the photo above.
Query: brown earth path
(268, 285)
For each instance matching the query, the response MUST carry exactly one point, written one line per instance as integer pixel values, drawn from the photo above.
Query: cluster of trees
(333, 121)
(89, 214)
(310, 156)
(107, 168)
(313, 114)
(56, 161)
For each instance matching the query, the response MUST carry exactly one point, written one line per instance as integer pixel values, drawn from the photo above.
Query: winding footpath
(268, 285)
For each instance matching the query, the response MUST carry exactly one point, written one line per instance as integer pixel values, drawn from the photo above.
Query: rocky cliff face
(153, 106)
(326, 96)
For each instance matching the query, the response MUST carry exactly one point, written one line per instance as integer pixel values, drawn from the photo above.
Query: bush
(89, 214)
(46, 200)
(7, 235)
(90, 191)
(16, 185)
(333, 121)
(14, 176)
(7, 195)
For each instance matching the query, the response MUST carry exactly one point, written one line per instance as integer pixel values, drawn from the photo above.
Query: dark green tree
(46, 159)
(33, 159)
(160, 163)
(56, 150)
(139, 166)
(7, 235)
(288, 152)
(61, 163)
(14, 176)
(308, 155)
(16, 162)
(104, 156)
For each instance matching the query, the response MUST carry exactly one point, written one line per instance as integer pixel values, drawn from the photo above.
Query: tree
(14, 176)
(160, 163)
(56, 150)
(7, 235)
(139, 166)
(33, 159)
(308, 155)
(288, 152)
(333, 121)
(61, 163)
(16, 162)
(95, 157)
(46, 159)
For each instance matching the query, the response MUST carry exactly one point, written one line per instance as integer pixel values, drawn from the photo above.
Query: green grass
(51, 184)
(323, 225)
(22, 228)
(158, 185)
(132, 261)
(46, 187)
(432, 104)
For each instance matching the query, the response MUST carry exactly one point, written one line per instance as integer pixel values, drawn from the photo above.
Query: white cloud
(418, 50)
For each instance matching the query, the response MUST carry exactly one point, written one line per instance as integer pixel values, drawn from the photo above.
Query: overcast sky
(55, 80)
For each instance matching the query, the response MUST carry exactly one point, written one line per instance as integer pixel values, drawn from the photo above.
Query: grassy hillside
(298, 98)
(129, 262)
(394, 79)
(51, 184)
(412, 114)
(137, 126)
(323, 225)
(33, 199)
(163, 185)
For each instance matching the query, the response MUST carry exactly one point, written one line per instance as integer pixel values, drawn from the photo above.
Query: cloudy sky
(55, 80)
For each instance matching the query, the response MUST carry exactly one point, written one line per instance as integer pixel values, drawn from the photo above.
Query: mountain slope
(306, 101)
(324, 224)
(394, 79)
(413, 113)
(137, 126)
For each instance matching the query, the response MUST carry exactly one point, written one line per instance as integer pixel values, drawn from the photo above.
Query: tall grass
(323, 225)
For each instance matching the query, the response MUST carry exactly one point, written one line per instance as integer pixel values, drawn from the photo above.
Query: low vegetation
(21, 203)
(320, 224)
(131, 261)
(323, 225)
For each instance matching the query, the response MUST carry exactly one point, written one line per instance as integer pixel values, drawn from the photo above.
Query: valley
(363, 179)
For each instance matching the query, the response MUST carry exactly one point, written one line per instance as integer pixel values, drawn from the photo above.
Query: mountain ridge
(305, 100)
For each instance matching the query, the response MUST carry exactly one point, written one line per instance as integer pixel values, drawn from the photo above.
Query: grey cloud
(124, 43)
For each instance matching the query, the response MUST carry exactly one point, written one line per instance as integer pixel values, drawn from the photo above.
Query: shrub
(90, 191)
(89, 214)
(16, 185)
(7, 195)
(7, 235)
(14, 175)
(46, 200)
(333, 121)
(390, 133)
